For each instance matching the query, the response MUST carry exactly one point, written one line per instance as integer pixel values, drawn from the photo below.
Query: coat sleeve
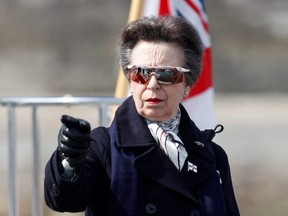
(61, 193)
(88, 187)
(222, 165)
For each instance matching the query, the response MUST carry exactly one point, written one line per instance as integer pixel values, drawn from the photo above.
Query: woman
(152, 160)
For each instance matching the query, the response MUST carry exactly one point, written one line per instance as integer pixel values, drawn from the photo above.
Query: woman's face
(154, 101)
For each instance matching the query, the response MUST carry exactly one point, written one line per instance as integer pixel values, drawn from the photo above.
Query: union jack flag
(200, 103)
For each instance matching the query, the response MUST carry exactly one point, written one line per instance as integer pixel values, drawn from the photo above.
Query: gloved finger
(74, 134)
(74, 143)
(68, 151)
(80, 124)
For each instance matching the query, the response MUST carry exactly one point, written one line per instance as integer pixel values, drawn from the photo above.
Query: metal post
(36, 204)
(104, 120)
(13, 204)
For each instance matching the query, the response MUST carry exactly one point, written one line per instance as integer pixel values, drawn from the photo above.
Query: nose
(153, 83)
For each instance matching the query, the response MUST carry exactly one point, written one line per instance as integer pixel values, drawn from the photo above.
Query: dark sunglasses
(165, 75)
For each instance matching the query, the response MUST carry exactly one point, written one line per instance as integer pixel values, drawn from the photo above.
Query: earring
(185, 93)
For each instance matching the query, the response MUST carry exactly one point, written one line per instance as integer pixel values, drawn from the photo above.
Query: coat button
(55, 189)
(151, 208)
(194, 213)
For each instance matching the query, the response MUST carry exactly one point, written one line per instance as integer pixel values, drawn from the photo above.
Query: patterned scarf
(165, 133)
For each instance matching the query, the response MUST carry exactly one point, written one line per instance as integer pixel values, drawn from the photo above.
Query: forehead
(157, 54)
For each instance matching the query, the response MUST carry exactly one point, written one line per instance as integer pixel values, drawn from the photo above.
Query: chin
(157, 118)
(155, 115)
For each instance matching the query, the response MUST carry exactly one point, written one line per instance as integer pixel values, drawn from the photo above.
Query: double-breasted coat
(127, 174)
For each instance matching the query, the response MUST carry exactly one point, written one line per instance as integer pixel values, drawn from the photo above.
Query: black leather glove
(74, 140)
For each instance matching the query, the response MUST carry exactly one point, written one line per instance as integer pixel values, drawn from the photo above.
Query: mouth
(153, 100)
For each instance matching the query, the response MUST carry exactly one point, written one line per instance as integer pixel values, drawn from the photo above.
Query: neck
(172, 124)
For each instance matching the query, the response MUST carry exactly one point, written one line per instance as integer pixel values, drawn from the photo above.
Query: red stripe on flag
(205, 79)
(196, 9)
(164, 8)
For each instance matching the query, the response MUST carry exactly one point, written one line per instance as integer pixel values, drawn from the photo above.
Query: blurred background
(60, 47)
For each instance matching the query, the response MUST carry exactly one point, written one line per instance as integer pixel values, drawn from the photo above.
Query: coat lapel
(196, 170)
(157, 166)
(198, 165)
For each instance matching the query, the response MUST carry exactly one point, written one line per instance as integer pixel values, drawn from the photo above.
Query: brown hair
(169, 29)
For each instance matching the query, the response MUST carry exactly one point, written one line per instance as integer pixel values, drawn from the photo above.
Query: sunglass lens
(165, 76)
(140, 75)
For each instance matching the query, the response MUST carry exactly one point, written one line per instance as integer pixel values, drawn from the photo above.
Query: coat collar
(192, 137)
(132, 132)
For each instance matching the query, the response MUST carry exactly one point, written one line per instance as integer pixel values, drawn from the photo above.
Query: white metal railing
(35, 102)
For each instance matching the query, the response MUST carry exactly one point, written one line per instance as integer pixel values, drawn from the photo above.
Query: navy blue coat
(126, 174)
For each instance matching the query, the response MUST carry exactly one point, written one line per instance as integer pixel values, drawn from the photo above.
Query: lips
(153, 100)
